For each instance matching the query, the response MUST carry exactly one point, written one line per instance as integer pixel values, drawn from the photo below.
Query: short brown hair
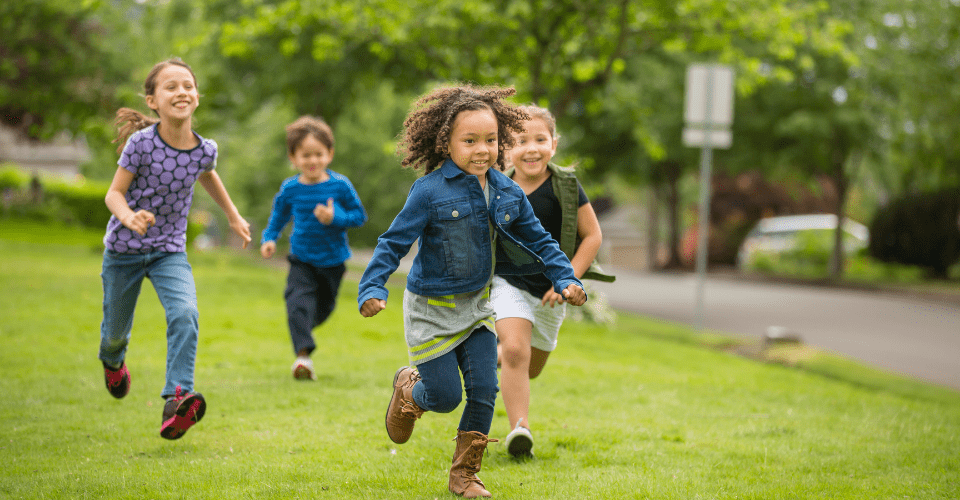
(305, 126)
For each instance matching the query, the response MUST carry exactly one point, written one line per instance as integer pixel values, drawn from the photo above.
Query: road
(911, 336)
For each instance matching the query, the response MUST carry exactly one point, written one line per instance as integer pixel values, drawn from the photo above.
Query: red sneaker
(118, 381)
(180, 413)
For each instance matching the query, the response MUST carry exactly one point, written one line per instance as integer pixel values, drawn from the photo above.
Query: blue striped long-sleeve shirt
(311, 241)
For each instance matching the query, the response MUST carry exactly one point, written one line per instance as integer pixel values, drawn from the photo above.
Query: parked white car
(774, 235)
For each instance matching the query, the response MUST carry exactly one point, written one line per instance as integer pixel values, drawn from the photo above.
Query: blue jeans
(439, 389)
(172, 278)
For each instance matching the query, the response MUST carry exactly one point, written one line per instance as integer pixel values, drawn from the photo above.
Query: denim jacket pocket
(507, 213)
(459, 248)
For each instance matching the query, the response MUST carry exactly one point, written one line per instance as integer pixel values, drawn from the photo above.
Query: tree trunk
(653, 228)
(671, 174)
(841, 182)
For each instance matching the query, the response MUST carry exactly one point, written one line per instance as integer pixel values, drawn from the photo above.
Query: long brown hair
(130, 120)
(427, 128)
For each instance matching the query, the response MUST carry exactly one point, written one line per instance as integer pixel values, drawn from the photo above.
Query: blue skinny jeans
(172, 278)
(439, 389)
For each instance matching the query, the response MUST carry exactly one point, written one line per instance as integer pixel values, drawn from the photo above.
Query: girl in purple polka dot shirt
(150, 198)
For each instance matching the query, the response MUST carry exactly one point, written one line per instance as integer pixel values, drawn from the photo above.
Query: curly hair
(426, 131)
(129, 120)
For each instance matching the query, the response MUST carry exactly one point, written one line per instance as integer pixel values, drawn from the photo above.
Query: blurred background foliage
(852, 100)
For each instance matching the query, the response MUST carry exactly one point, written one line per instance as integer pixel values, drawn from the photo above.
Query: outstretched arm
(212, 183)
(392, 246)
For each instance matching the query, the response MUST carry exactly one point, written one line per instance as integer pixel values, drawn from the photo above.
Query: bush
(919, 229)
(12, 178)
(79, 204)
(51, 200)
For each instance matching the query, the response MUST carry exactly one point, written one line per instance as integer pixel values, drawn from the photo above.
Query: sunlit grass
(642, 409)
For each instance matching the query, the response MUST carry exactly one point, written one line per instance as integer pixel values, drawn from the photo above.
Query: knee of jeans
(186, 313)
(446, 400)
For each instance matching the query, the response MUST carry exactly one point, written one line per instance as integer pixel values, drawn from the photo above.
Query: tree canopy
(861, 91)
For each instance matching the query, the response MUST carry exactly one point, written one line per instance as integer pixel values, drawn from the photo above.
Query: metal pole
(703, 234)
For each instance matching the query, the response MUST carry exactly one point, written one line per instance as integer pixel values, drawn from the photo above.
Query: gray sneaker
(303, 369)
(520, 442)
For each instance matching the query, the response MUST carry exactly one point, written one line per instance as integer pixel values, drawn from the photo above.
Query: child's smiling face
(533, 148)
(473, 141)
(311, 157)
(176, 95)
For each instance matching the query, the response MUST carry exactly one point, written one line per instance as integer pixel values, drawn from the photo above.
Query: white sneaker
(303, 369)
(520, 442)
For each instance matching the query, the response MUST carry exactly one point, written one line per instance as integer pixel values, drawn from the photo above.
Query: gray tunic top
(434, 326)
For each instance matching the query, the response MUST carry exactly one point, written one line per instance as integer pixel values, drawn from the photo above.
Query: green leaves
(54, 72)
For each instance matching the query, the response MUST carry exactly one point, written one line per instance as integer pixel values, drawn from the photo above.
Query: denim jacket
(446, 211)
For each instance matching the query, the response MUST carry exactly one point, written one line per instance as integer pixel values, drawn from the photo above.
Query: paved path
(915, 337)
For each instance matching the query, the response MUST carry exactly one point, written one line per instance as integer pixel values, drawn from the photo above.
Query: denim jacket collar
(449, 169)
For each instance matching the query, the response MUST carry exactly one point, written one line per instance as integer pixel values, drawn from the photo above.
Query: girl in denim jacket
(469, 220)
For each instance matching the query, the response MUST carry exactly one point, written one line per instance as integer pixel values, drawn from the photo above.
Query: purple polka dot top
(163, 185)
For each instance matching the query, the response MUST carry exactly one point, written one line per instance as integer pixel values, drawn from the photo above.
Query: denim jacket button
(506, 217)
(455, 213)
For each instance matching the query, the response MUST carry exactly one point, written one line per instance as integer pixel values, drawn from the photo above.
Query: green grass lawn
(643, 409)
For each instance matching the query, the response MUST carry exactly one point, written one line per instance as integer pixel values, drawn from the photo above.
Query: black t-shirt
(546, 207)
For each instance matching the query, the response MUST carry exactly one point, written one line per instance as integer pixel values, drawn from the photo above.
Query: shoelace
(115, 377)
(410, 410)
(178, 394)
(476, 454)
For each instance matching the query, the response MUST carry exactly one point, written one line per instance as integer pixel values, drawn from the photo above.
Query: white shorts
(511, 302)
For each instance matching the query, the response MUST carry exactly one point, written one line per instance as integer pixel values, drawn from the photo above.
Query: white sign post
(708, 114)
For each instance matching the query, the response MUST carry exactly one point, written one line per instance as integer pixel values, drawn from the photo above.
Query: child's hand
(575, 295)
(139, 221)
(372, 306)
(267, 249)
(324, 213)
(242, 229)
(552, 298)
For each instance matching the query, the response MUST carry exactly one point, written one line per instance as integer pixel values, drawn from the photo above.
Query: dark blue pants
(311, 296)
(439, 389)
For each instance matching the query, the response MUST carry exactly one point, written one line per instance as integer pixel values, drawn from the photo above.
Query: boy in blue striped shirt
(322, 204)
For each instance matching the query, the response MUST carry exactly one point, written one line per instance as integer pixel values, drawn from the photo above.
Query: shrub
(12, 177)
(79, 204)
(919, 229)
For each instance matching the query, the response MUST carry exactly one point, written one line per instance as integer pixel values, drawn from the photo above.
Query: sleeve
(129, 158)
(349, 211)
(393, 245)
(581, 195)
(213, 150)
(279, 216)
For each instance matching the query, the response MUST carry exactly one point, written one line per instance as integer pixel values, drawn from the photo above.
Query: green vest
(564, 183)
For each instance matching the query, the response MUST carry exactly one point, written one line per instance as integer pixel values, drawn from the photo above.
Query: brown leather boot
(466, 464)
(402, 413)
